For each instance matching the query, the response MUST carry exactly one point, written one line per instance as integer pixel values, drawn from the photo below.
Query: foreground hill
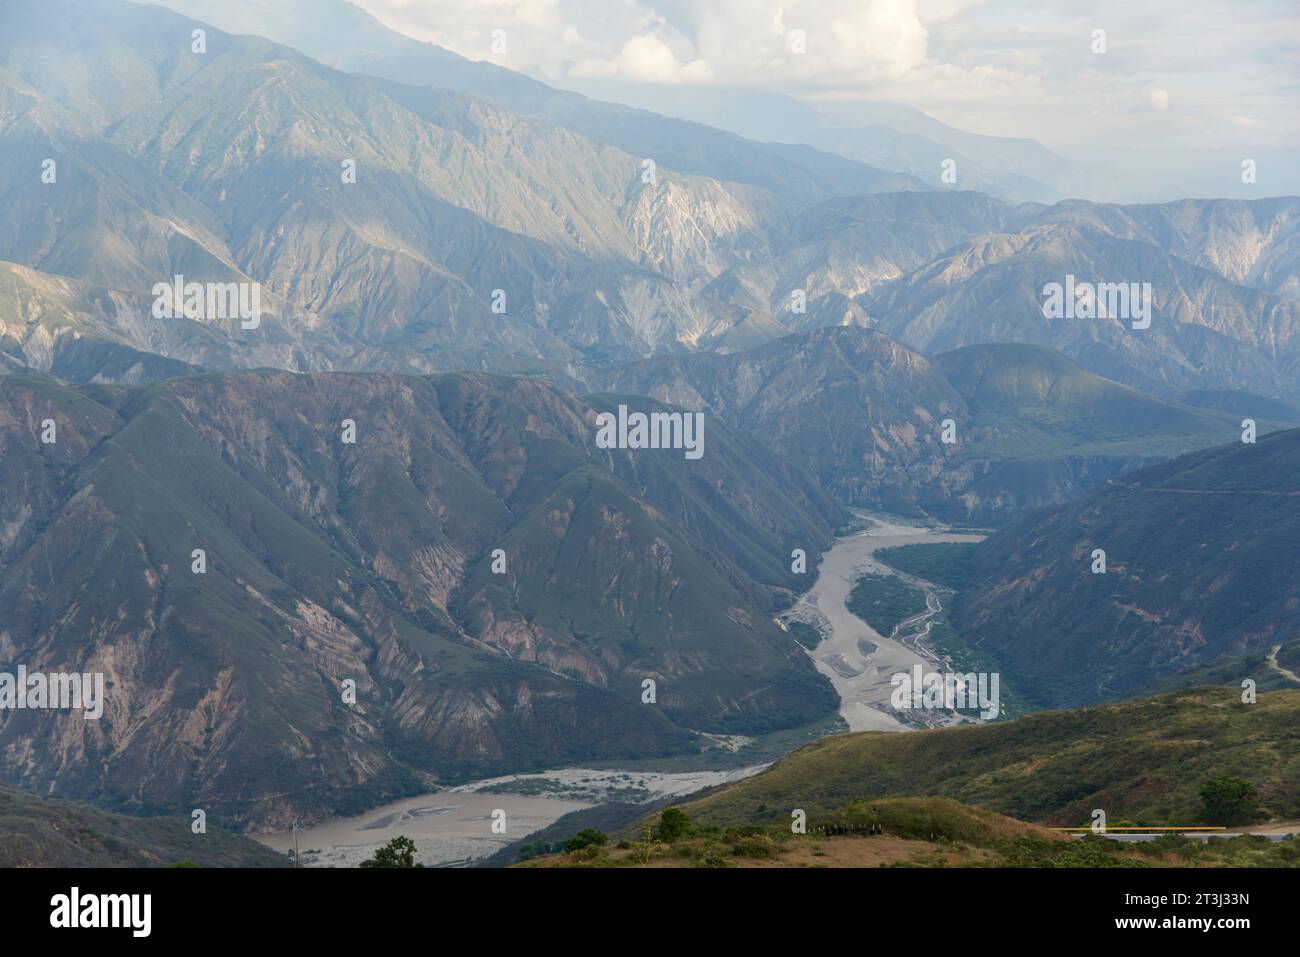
(1201, 566)
(49, 832)
(497, 587)
(1141, 760)
(905, 832)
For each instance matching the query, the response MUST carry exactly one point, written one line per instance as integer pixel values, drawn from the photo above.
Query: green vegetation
(1229, 671)
(587, 837)
(399, 852)
(1143, 760)
(1014, 691)
(807, 635)
(1202, 546)
(673, 824)
(884, 601)
(918, 832)
(1229, 800)
(950, 564)
(40, 831)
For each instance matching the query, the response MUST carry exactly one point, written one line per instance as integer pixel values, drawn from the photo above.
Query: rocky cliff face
(1205, 330)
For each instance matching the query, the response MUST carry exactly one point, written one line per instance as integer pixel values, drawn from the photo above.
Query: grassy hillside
(909, 832)
(49, 832)
(1143, 761)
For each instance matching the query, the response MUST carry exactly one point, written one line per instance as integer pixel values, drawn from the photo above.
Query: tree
(673, 823)
(1229, 800)
(587, 837)
(399, 852)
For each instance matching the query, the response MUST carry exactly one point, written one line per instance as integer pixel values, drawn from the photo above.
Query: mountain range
(497, 224)
(866, 414)
(366, 542)
(497, 588)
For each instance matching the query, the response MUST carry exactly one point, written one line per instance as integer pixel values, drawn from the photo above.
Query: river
(862, 679)
(453, 827)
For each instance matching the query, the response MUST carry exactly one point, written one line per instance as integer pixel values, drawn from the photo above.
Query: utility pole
(297, 860)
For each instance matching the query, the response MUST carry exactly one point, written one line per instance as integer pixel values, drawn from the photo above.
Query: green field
(807, 635)
(950, 564)
(883, 601)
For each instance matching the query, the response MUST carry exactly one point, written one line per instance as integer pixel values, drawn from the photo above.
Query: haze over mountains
(547, 200)
(509, 261)
(880, 133)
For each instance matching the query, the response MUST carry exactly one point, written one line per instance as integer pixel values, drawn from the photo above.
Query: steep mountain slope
(842, 248)
(1139, 760)
(861, 410)
(866, 414)
(453, 199)
(1252, 243)
(1040, 430)
(79, 332)
(49, 832)
(1205, 331)
(373, 561)
(882, 135)
(466, 227)
(1200, 565)
(516, 228)
(350, 39)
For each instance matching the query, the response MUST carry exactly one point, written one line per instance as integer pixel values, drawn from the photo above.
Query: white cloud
(649, 59)
(1009, 67)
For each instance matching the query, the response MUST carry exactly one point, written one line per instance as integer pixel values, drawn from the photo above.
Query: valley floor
(862, 680)
(454, 827)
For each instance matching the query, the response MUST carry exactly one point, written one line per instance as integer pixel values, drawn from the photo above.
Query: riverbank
(453, 828)
(857, 659)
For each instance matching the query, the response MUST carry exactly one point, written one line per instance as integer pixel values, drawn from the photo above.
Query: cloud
(649, 59)
(1008, 67)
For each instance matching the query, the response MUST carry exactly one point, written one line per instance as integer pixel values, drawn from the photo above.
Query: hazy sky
(1175, 72)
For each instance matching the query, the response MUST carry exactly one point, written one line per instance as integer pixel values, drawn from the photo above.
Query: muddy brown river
(859, 672)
